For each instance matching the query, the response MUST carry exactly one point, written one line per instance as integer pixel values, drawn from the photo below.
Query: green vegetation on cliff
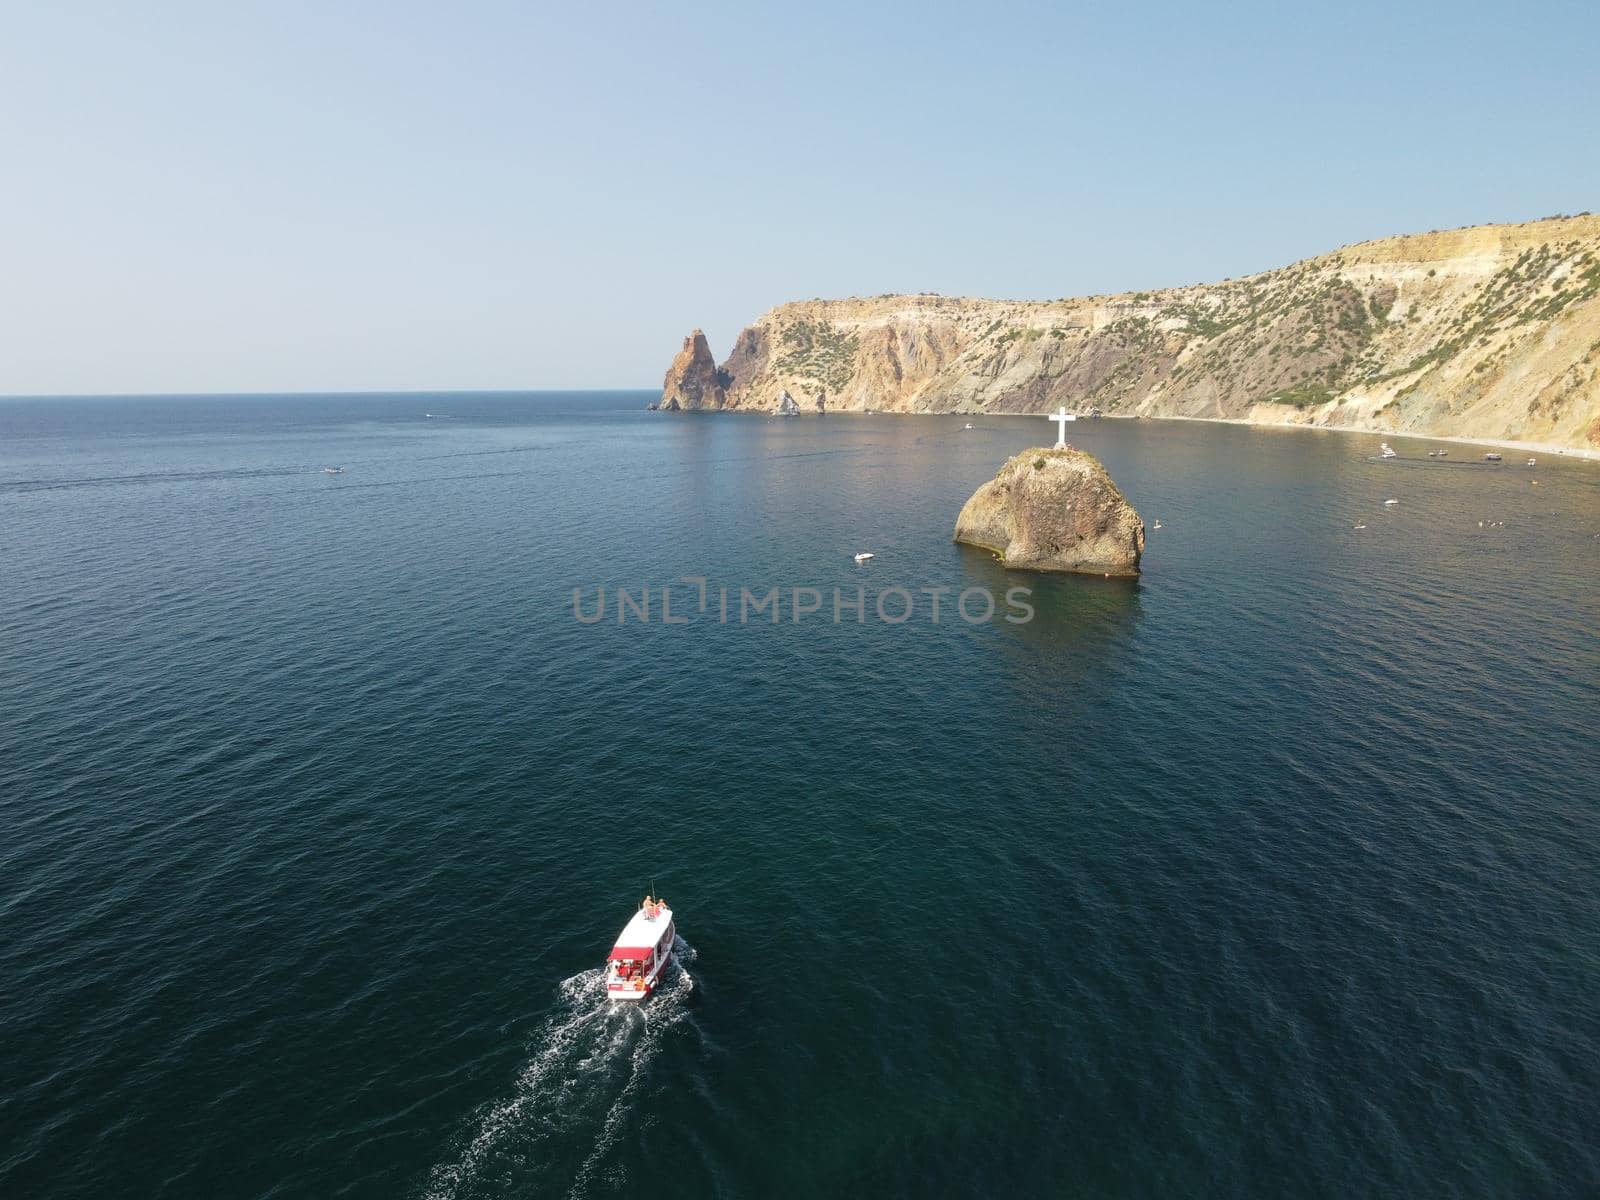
(817, 351)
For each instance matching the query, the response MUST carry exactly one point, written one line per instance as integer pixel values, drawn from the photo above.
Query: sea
(323, 796)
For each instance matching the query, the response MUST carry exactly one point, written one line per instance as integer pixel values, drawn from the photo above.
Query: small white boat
(642, 952)
(1390, 503)
(968, 425)
(1157, 525)
(1444, 454)
(1360, 525)
(333, 470)
(1386, 450)
(1492, 457)
(1433, 454)
(864, 555)
(1533, 462)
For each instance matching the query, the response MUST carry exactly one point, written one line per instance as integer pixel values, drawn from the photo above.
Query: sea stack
(693, 380)
(1054, 510)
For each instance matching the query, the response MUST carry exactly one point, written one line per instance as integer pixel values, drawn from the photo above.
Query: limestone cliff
(693, 380)
(1491, 332)
(1054, 510)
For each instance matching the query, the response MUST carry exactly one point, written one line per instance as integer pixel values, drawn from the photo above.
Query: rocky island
(1054, 510)
(693, 380)
(1492, 331)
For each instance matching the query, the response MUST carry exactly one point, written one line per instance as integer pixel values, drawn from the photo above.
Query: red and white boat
(642, 952)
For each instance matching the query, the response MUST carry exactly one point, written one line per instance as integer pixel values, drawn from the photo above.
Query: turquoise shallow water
(1270, 874)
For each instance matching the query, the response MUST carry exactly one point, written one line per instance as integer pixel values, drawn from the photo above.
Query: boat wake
(573, 1100)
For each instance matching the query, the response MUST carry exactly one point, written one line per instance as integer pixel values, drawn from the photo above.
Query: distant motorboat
(863, 556)
(1157, 525)
(1444, 454)
(1492, 457)
(1533, 462)
(1433, 454)
(333, 470)
(1390, 503)
(1360, 525)
(968, 425)
(1386, 451)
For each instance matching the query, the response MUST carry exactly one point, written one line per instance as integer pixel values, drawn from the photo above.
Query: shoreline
(1565, 451)
(1498, 443)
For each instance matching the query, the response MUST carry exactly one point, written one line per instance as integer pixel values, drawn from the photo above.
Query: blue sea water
(1272, 873)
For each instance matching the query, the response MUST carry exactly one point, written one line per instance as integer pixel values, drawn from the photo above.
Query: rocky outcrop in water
(693, 380)
(1491, 331)
(1054, 510)
(786, 405)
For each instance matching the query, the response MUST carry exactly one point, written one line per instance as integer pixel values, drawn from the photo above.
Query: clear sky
(287, 196)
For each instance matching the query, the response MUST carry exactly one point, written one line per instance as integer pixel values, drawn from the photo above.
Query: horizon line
(210, 395)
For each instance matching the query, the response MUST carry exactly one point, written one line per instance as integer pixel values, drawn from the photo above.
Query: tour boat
(642, 952)
(1387, 450)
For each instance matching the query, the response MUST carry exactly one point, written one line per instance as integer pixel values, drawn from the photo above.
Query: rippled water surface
(1273, 873)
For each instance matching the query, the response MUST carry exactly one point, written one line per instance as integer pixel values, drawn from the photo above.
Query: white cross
(1061, 416)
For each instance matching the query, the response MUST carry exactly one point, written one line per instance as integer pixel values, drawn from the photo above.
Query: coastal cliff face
(1489, 332)
(693, 380)
(1054, 510)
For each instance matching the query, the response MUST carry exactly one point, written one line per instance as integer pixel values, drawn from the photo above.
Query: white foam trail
(573, 1077)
